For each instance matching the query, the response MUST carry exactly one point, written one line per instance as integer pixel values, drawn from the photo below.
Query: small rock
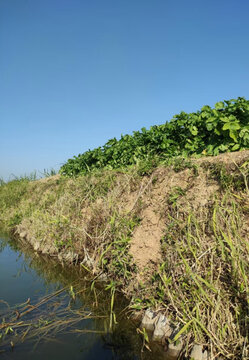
(36, 246)
(174, 349)
(70, 256)
(148, 321)
(196, 353)
(23, 234)
(162, 328)
(205, 355)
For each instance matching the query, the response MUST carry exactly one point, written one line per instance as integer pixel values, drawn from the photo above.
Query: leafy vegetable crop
(208, 131)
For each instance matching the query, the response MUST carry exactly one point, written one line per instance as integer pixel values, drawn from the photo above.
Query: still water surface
(25, 275)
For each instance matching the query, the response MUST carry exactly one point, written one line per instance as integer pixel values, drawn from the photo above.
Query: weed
(146, 166)
(112, 287)
(175, 194)
(206, 270)
(12, 193)
(48, 172)
(228, 179)
(180, 163)
(15, 219)
(116, 258)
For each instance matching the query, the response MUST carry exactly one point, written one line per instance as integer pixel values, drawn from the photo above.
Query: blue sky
(75, 73)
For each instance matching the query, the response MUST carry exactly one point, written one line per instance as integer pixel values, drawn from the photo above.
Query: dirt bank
(173, 239)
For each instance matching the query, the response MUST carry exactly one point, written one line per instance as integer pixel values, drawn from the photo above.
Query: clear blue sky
(75, 73)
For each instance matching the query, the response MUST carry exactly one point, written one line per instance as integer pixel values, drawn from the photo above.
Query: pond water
(49, 311)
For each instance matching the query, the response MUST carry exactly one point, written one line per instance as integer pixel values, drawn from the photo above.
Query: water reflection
(24, 274)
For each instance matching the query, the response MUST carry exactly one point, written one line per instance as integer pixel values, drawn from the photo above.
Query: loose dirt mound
(170, 185)
(145, 245)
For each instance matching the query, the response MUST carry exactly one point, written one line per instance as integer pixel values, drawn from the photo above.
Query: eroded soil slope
(174, 238)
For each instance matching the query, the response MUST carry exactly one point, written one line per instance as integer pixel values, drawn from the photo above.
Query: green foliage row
(209, 131)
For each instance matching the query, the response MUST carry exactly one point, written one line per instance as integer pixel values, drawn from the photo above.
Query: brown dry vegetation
(174, 238)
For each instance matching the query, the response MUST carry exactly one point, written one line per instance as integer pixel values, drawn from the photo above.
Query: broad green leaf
(219, 105)
(204, 114)
(217, 132)
(233, 135)
(235, 147)
(212, 119)
(223, 147)
(244, 132)
(194, 130)
(231, 126)
(206, 108)
(209, 126)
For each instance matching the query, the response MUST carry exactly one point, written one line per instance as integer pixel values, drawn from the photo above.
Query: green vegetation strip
(208, 131)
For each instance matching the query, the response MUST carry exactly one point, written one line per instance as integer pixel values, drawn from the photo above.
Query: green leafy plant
(205, 132)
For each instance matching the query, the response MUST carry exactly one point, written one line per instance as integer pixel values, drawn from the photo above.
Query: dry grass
(205, 275)
(201, 281)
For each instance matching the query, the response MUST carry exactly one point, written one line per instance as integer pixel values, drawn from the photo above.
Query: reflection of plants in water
(127, 345)
(57, 313)
(52, 315)
(120, 343)
(68, 309)
(2, 246)
(3, 243)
